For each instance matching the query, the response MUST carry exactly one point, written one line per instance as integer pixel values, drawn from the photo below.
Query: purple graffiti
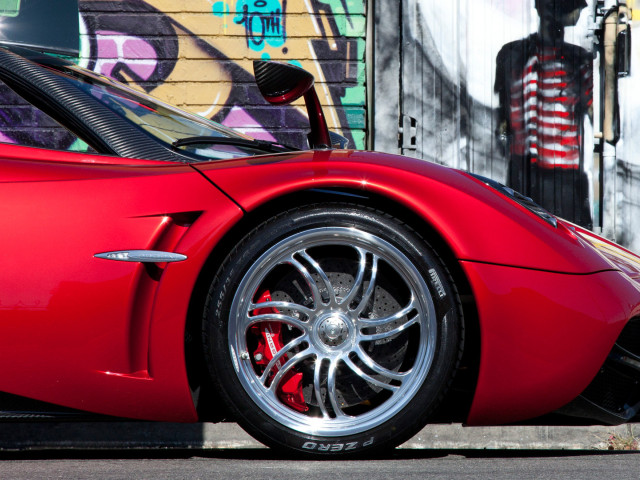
(6, 139)
(239, 119)
(116, 50)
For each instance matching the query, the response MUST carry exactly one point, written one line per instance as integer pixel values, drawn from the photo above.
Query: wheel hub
(333, 330)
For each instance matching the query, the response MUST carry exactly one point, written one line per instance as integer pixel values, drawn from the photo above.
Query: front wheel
(331, 329)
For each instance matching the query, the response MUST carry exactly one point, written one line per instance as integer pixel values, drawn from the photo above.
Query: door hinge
(407, 132)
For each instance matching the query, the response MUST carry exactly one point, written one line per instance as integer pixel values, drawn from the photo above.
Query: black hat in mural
(559, 7)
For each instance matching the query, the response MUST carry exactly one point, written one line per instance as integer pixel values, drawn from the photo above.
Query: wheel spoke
(389, 333)
(321, 273)
(358, 371)
(369, 362)
(276, 317)
(357, 282)
(378, 322)
(281, 353)
(288, 366)
(331, 389)
(370, 288)
(313, 286)
(316, 387)
(282, 305)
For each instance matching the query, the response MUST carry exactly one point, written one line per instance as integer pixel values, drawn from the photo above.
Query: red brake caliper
(269, 344)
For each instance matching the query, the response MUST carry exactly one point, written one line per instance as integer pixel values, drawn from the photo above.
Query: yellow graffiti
(203, 86)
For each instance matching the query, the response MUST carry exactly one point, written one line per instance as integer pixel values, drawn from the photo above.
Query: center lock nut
(333, 331)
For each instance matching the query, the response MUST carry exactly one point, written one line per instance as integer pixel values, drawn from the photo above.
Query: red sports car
(330, 301)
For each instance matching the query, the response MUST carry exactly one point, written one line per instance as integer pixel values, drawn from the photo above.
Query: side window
(23, 124)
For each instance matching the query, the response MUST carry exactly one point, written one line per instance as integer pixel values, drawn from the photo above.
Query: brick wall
(197, 54)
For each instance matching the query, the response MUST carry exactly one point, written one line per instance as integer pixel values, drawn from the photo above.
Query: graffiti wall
(515, 90)
(198, 54)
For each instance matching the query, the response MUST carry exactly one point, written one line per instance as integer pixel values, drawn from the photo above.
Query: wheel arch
(211, 408)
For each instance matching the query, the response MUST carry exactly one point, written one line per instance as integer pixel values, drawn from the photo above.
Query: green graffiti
(78, 146)
(9, 8)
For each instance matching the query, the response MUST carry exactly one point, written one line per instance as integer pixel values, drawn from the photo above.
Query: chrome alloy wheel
(356, 324)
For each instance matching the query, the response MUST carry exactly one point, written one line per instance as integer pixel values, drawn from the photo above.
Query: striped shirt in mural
(546, 108)
(545, 93)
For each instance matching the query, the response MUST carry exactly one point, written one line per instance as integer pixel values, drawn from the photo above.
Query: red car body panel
(90, 333)
(544, 336)
(108, 336)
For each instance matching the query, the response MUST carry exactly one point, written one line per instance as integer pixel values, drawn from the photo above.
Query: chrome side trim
(144, 256)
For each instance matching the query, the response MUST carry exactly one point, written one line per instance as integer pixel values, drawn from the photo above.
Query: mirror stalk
(319, 135)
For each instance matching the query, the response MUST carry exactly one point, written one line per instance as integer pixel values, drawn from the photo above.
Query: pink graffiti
(6, 139)
(116, 48)
(239, 119)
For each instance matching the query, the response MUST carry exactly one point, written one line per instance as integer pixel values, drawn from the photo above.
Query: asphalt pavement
(259, 464)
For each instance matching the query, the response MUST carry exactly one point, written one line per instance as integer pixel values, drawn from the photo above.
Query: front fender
(477, 222)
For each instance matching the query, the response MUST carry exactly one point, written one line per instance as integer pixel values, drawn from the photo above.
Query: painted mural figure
(545, 90)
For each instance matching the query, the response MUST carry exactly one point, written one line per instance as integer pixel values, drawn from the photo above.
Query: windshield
(164, 122)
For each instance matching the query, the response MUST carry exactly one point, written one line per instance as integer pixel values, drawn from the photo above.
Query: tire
(332, 329)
